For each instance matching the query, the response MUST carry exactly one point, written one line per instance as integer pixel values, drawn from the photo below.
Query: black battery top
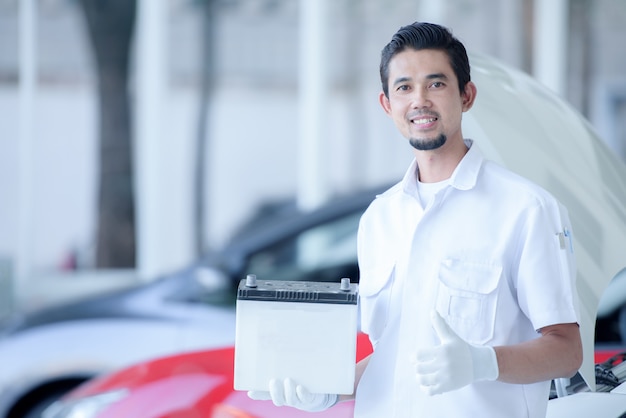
(298, 291)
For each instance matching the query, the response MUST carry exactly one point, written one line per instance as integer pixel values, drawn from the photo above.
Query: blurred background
(136, 135)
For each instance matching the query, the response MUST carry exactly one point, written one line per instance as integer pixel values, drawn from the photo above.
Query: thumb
(443, 330)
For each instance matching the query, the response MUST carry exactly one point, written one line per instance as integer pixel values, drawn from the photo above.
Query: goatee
(428, 144)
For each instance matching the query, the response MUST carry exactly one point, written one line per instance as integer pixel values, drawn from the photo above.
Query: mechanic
(467, 277)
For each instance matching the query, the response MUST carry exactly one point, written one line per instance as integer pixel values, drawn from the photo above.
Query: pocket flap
(373, 280)
(470, 276)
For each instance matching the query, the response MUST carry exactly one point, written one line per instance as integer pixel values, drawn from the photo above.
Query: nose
(419, 99)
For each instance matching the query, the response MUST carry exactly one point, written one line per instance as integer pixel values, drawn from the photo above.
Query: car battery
(301, 330)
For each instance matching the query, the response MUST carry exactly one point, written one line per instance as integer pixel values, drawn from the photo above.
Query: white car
(515, 121)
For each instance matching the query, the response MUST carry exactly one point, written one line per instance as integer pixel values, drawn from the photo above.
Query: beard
(428, 144)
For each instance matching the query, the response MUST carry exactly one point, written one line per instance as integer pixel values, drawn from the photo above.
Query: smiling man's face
(424, 99)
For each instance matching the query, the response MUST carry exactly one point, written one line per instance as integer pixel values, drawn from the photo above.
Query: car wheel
(33, 404)
(37, 409)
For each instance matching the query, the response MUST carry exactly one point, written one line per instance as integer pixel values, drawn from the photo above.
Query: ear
(384, 102)
(468, 96)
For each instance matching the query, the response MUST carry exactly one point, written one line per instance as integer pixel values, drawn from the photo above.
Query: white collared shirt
(492, 253)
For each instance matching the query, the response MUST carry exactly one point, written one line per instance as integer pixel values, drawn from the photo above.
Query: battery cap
(251, 280)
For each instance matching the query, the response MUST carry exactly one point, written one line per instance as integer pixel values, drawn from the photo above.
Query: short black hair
(422, 35)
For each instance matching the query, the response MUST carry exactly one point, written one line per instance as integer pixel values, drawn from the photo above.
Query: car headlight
(88, 407)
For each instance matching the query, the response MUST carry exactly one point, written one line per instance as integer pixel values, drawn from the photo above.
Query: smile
(422, 121)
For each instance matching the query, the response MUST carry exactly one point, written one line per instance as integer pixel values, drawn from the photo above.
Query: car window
(326, 252)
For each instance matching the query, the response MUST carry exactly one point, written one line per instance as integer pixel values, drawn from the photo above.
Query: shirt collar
(463, 178)
(466, 173)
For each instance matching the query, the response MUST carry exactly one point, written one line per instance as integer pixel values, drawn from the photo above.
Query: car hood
(551, 144)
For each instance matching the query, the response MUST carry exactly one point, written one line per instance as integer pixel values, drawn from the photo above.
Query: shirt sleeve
(546, 270)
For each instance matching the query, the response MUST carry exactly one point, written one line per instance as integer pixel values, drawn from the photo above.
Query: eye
(403, 87)
(437, 84)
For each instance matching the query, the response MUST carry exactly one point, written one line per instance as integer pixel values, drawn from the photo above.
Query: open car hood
(551, 144)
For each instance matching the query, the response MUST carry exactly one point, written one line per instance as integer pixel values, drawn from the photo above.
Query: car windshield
(326, 252)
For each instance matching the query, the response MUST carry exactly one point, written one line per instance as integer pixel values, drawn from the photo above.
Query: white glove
(289, 393)
(454, 363)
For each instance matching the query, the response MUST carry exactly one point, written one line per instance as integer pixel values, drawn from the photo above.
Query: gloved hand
(454, 363)
(289, 393)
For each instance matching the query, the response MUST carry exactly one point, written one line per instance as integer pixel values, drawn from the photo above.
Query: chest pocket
(467, 298)
(375, 286)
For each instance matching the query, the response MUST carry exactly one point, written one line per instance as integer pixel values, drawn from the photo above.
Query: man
(466, 288)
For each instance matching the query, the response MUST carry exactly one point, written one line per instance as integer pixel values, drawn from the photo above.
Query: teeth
(425, 120)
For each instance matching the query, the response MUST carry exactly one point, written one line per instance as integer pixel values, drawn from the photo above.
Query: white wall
(252, 158)
(64, 165)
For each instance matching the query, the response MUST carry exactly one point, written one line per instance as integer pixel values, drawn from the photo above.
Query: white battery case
(294, 329)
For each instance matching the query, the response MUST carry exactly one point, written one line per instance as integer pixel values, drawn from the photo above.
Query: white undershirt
(426, 191)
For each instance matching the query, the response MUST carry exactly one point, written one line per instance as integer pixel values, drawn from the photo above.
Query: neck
(439, 164)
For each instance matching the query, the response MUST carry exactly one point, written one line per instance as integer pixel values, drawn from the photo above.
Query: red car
(196, 384)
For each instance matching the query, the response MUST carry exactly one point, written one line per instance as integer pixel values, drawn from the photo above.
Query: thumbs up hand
(454, 363)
